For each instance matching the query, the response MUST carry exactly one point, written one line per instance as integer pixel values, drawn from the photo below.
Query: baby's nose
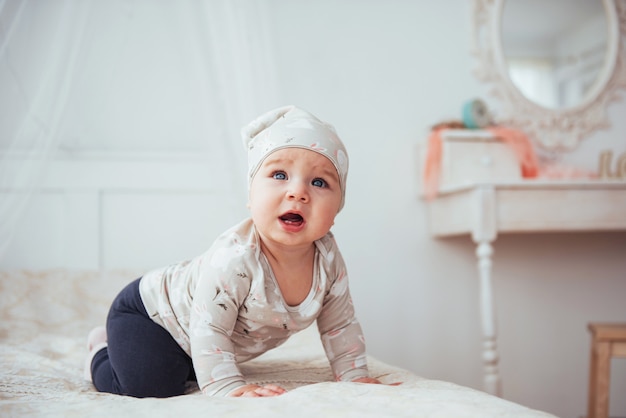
(298, 191)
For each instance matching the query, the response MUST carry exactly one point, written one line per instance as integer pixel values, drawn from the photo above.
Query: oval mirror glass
(555, 50)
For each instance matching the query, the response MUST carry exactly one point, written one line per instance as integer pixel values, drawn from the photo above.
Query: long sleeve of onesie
(214, 314)
(339, 328)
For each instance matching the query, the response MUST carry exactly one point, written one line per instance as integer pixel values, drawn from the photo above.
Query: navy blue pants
(142, 358)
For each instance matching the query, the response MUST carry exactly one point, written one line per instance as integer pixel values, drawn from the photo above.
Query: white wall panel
(39, 242)
(152, 229)
(81, 220)
(124, 211)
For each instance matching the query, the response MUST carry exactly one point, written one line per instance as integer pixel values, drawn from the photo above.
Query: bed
(46, 316)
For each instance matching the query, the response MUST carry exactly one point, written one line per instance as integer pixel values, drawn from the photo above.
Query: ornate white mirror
(554, 65)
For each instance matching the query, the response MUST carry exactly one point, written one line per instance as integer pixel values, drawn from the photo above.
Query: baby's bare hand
(256, 391)
(270, 390)
(374, 381)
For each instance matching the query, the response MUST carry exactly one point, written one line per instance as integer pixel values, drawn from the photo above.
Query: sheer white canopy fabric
(126, 76)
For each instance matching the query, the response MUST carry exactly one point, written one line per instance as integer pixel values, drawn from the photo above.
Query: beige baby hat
(291, 127)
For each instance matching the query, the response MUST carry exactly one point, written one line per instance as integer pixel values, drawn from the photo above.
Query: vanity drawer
(470, 156)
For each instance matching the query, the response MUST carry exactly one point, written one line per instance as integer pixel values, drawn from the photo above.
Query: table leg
(492, 381)
(599, 379)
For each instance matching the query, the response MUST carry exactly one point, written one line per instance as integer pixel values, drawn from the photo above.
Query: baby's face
(294, 197)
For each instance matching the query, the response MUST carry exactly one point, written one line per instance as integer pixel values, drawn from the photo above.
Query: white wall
(382, 73)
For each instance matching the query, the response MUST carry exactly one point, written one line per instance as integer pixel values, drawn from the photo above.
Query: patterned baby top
(225, 307)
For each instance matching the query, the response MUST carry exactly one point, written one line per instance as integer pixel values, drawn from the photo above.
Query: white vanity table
(485, 209)
(480, 193)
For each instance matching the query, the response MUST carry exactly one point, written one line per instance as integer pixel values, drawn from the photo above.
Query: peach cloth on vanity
(518, 141)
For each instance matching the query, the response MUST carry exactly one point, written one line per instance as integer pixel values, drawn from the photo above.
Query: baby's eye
(279, 175)
(319, 183)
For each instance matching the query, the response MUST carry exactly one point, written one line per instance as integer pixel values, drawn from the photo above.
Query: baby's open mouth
(292, 218)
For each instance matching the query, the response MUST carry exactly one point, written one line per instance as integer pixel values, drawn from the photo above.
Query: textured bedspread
(47, 315)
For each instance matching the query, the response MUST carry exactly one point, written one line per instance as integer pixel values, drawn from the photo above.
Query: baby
(261, 281)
